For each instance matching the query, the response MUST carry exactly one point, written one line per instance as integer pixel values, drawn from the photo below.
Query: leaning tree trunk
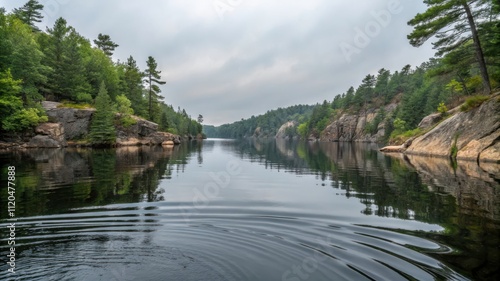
(479, 50)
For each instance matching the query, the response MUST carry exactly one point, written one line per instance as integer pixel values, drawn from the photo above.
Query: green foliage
(372, 127)
(24, 119)
(454, 24)
(128, 121)
(30, 13)
(269, 123)
(399, 127)
(442, 108)
(100, 68)
(14, 115)
(131, 81)
(473, 102)
(302, 130)
(400, 138)
(123, 106)
(68, 104)
(61, 65)
(454, 148)
(152, 79)
(83, 98)
(105, 44)
(102, 130)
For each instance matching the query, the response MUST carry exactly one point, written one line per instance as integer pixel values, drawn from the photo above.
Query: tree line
(267, 124)
(59, 64)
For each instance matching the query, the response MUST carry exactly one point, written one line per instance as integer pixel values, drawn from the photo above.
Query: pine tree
(153, 77)
(74, 84)
(133, 88)
(454, 23)
(104, 43)
(6, 45)
(53, 47)
(102, 130)
(30, 13)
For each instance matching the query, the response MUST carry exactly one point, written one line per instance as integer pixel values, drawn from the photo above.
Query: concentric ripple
(165, 241)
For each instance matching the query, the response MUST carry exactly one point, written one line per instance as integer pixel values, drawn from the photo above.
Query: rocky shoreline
(69, 127)
(472, 135)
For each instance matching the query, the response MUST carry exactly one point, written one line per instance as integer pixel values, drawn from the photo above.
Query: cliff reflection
(465, 200)
(407, 188)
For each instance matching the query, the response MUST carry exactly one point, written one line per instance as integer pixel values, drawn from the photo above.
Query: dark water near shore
(248, 210)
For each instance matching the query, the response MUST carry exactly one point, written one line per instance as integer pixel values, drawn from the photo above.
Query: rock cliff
(474, 134)
(70, 126)
(354, 127)
(283, 131)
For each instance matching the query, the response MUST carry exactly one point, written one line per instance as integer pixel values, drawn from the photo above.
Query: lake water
(250, 210)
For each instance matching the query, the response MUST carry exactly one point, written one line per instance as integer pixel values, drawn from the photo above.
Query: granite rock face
(282, 132)
(76, 122)
(353, 127)
(70, 124)
(41, 141)
(474, 133)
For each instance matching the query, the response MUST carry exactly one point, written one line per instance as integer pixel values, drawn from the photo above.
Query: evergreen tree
(30, 13)
(5, 44)
(454, 23)
(100, 68)
(104, 43)
(164, 125)
(382, 83)
(74, 84)
(102, 130)
(53, 45)
(23, 57)
(153, 77)
(133, 89)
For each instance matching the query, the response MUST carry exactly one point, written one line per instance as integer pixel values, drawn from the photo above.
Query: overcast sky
(231, 59)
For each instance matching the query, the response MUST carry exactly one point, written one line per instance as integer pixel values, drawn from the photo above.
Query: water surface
(251, 210)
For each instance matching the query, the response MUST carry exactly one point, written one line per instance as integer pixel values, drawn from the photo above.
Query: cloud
(259, 56)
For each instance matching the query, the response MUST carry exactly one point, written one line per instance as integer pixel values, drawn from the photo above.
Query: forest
(59, 64)
(269, 123)
(466, 68)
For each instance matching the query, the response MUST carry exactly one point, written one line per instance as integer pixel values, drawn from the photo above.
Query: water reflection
(56, 180)
(78, 202)
(464, 199)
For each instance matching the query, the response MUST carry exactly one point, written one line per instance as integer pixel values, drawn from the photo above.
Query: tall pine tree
(153, 77)
(30, 13)
(102, 129)
(454, 23)
(104, 43)
(133, 88)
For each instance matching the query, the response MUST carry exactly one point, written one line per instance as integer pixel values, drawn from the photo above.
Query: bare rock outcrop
(283, 131)
(353, 127)
(49, 135)
(475, 134)
(430, 121)
(73, 125)
(76, 122)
